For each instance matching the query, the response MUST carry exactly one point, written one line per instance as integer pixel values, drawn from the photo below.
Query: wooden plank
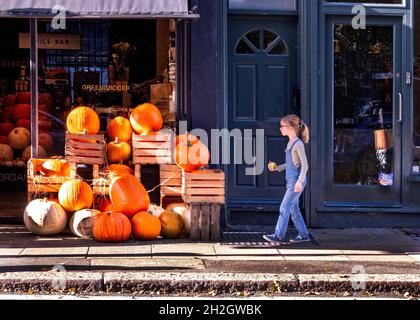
(85, 145)
(156, 137)
(205, 222)
(205, 191)
(195, 219)
(152, 160)
(43, 188)
(151, 145)
(85, 160)
(97, 137)
(205, 184)
(203, 199)
(215, 222)
(170, 191)
(47, 180)
(170, 168)
(152, 152)
(137, 171)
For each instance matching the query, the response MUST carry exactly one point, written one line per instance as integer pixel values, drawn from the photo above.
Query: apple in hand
(272, 166)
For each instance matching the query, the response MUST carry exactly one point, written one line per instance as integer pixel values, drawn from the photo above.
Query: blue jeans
(290, 207)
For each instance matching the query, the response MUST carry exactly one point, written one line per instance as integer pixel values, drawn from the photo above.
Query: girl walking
(296, 167)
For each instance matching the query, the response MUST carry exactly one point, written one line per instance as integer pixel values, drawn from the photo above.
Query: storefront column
(34, 86)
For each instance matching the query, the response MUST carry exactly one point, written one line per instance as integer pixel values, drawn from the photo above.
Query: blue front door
(262, 82)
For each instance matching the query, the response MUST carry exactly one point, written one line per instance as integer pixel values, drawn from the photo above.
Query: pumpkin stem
(116, 140)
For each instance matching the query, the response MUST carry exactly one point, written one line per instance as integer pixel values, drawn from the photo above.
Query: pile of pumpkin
(15, 126)
(190, 153)
(128, 211)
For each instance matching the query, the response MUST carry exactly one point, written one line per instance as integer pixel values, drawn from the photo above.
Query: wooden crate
(77, 151)
(152, 149)
(171, 180)
(37, 183)
(203, 186)
(205, 222)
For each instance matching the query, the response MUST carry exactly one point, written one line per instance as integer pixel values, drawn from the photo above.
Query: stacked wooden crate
(38, 184)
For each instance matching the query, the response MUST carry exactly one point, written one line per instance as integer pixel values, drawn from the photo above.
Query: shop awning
(97, 8)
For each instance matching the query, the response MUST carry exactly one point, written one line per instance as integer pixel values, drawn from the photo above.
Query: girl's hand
(272, 166)
(298, 187)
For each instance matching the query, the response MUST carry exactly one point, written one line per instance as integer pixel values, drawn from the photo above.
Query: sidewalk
(241, 262)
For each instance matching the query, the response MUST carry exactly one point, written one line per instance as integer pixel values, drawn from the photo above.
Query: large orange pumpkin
(191, 156)
(9, 100)
(111, 227)
(55, 168)
(24, 123)
(118, 151)
(5, 128)
(145, 226)
(83, 119)
(128, 195)
(19, 138)
(46, 141)
(146, 118)
(172, 224)
(22, 111)
(75, 195)
(120, 128)
(118, 170)
(23, 97)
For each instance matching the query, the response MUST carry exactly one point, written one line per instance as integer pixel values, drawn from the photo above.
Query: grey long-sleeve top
(298, 159)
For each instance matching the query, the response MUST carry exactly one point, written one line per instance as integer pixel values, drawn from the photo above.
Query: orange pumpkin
(128, 195)
(145, 226)
(22, 111)
(83, 119)
(9, 100)
(118, 170)
(186, 137)
(172, 224)
(145, 118)
(120, 128)
(104, 202)
(109, 208)
(55, 168)
(111, 227)
(24, 123)
(45, 140)
(191, 156)
(23, 97)
(75, 195)
(118, 151)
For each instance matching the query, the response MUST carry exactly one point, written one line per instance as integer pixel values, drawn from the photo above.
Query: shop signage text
(105, 88)
(52, 41)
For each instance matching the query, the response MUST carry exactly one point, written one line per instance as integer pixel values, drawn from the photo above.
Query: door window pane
(363, 105)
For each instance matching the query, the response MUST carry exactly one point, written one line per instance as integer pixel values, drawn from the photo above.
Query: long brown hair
(302, 130)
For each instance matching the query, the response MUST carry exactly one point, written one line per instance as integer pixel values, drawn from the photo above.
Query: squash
(111, 227)
(55, 168)
(83, 120)
(5, 128)
(46, 141)
(120, 128)
(6, 152)
(26, 153)
(172, 224)
(191, 156)
(155, 210)
(45, 218)
(145, 118)
(22, 111)
(75, 195)
(81, 223)
(19, 138)
(128, 195)
(118, 151)
(184, 211)
(24, 123)
(23, 97)
(145, 226)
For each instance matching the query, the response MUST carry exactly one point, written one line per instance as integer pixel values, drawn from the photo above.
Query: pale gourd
(81, 223)
(6, 152)
(26, 154)
(44, 217)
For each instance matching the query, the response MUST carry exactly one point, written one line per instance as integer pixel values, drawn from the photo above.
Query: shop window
(253, 41)
(369, 1)
(262, 5)
(416, 111)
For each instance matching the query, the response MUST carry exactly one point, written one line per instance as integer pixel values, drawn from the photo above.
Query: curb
(223, 283)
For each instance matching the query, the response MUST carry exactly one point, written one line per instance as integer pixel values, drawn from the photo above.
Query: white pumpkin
(6, 153)
(155, 210)
(81, 223)
(184, 211)
(44, 218)
(19, 138)
(26, 154)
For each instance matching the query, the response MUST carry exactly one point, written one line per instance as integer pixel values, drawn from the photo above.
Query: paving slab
(246, 253)
(55, 251)
(384, 258)
(22, 264)
(127, 251)
(143, 264)
(182, 250)
(10, 252)
(312, 255)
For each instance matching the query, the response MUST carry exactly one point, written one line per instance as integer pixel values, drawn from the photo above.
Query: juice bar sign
(52, 41)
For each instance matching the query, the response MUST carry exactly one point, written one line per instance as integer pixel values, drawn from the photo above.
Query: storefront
(245, 64)
(106, 55)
